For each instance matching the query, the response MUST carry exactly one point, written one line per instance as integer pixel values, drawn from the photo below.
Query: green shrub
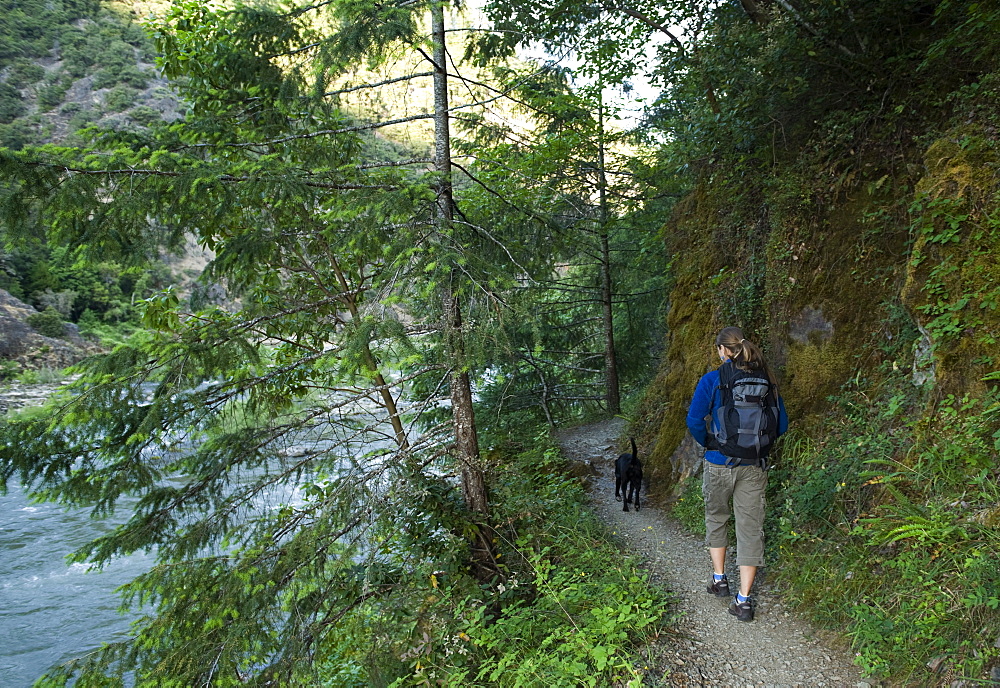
(88, 322)
(24, 73)
(82, 119)
(42, 376)
(689, 508)
(119, 98)
(11, 104)
(48, 323)
(117, 55)
(75, 63)
(569, 610)
(886, 498)
(945, 583)
(52, 94)
(144, 115)
(77, 56)
(134, 35)
(133, 76)
(17, 135)
(9, 370)
(107, 334)
(106, 77)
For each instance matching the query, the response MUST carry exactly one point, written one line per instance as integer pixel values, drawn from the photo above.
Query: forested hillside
(66, 67)
(434, 249)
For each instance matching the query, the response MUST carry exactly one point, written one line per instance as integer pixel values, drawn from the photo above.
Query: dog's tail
(635, 454)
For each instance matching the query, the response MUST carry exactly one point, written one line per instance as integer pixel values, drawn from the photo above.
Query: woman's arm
(782, 417)
(701, 407)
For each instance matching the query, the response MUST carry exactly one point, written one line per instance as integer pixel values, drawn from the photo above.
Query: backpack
(745, 426)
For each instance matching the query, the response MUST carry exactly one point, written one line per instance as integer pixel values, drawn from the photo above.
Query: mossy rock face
(31, 350)
(952, 285)
(691, 325)
(811, 287)
(815, 370)
(840, 283)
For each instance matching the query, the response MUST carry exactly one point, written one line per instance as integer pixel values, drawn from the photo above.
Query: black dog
(628, 478)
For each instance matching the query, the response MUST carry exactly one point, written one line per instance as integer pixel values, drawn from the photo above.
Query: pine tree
(285, 460)
(589, 183)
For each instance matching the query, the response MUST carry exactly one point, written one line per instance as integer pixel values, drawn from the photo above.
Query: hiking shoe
(719, 588)
(743, 611)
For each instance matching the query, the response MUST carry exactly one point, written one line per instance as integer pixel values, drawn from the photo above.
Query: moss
(959, 164)
(833, 273)
(815, 371)
(691, 327)
(952, 284)
(840, 293)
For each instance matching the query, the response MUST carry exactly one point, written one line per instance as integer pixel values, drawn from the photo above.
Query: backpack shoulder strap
(727, 371)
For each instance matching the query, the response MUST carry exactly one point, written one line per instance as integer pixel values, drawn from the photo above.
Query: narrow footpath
(707, 646)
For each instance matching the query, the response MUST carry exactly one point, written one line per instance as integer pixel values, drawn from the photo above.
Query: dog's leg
(625, 495)
(618, 485)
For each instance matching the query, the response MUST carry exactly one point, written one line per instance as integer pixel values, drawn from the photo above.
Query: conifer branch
(377, 84)
(316, 134)
(482, 230)
(648, 21)
(141, 172)
(813, 30)
(497, 194)
(564, 366)
(400, 163)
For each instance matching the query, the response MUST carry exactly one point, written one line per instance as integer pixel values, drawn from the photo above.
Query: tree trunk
(756, 10)
(612, 393)
(388, 402)
(466, 439)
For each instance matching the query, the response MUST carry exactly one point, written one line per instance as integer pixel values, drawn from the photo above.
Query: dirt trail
(711, 647)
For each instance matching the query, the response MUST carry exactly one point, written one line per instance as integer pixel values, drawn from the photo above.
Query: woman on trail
(736, 414)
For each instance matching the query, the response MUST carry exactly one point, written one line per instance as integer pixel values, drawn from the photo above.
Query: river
(51, 611)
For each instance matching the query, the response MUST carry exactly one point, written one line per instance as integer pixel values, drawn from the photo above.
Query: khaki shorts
(746, 487)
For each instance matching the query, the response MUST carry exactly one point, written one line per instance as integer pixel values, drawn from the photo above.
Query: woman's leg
(749, 495)
(717, 489)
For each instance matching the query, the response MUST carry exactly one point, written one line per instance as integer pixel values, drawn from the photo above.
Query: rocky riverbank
(18, 395)
(23, 349)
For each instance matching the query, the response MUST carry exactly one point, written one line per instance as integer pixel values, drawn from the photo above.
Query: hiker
(736, 414)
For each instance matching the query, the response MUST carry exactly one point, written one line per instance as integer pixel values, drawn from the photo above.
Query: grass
(569, 610)
(45, 375)
(885, 525)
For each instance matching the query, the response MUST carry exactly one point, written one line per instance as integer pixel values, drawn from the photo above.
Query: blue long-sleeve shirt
(707, 397)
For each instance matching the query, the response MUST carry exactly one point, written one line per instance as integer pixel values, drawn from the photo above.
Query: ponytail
(744, 354)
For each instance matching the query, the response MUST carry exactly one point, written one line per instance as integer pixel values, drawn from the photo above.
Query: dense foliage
(570, 612)
(64, 66)
(77, 287)
(593, 185)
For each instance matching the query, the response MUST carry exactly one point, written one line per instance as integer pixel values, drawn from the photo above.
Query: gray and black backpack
(745, 426)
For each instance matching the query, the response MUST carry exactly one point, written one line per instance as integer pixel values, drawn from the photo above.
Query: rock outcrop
(20, 343)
